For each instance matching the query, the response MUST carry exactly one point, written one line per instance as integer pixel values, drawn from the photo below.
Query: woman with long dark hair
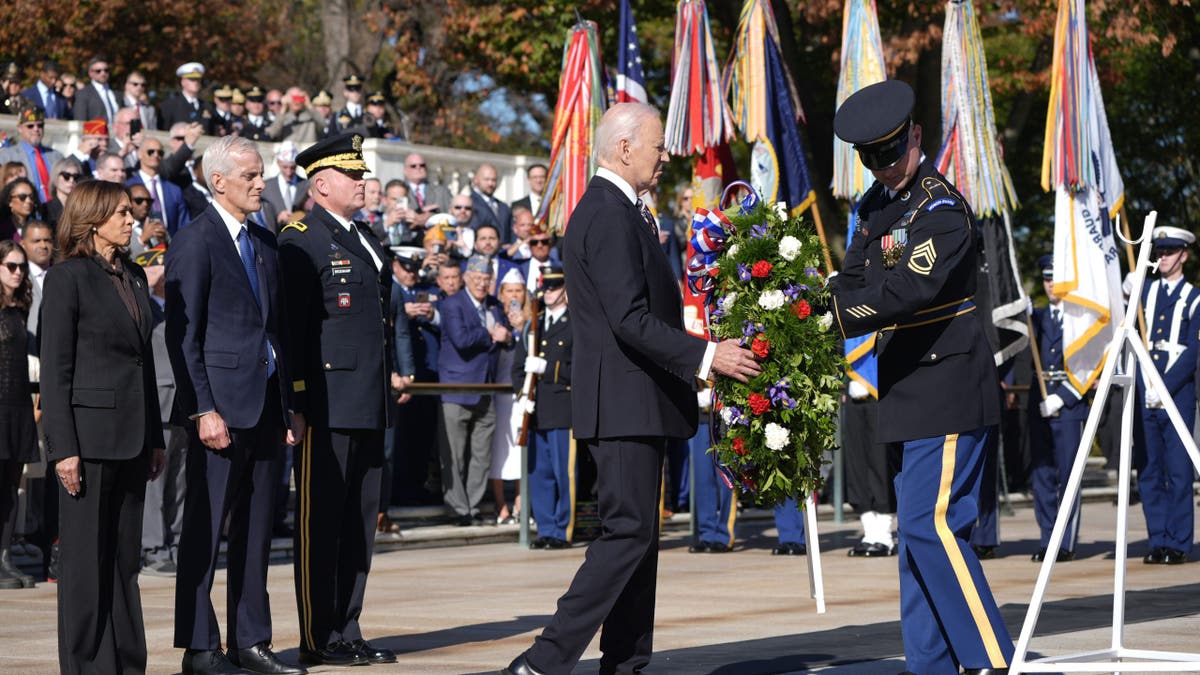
(18, 434)
(18, 203)
(103, 428)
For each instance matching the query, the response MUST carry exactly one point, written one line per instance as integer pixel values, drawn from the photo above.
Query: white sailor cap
(513, 276)
(1169, 237)
(190, 70)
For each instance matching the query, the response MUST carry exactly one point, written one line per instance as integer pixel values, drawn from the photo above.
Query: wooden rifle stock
(529, 388)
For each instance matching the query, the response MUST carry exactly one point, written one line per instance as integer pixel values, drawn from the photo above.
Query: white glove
(1152, 399)
(704, 397)
(35, 369)
(857, 391)
(535, 365)
(1051, 405)
(1127, 284)
(524, 405)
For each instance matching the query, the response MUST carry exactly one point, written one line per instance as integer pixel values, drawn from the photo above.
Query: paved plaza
(471, 608)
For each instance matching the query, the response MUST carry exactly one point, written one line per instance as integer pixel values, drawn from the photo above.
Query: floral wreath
(757, 268)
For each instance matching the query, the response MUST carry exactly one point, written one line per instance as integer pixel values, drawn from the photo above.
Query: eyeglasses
(22, 196)
(416, 166)
(70, 176)
(98, 70)
(15, 268)
(539, 242)
(142, 200)
(353, 88)
(274, 103)
(34, 125)
(136, 84)
(154, 152)
(461, 208)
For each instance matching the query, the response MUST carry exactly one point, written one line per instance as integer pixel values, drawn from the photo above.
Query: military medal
(892, 247)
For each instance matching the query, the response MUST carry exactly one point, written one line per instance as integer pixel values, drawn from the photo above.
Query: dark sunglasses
(23, 196)
(98, 70)
(351, 87)
(274, 103)
(416, 166)
(70, 175)
(136, 84)
(34, 125)
(13, 268)
(142, 200)
(461, 208)
(539, 242)
(153, 152)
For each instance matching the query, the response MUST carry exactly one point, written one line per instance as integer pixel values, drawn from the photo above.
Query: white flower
(771, 299)
(727, 301)
(777, 436)
(731, 251)
(789, 248)
(825, 321)
(727, 416)
(781, 210)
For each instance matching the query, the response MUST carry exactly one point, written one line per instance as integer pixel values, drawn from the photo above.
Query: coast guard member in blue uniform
(1165, 482)
(716, 509)
(910, 277)
(552, 452)
(1055, 423)
(337, 282)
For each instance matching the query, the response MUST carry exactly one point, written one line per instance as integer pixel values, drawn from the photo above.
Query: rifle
(529, 387)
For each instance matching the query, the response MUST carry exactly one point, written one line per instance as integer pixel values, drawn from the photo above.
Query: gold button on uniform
(328, 366)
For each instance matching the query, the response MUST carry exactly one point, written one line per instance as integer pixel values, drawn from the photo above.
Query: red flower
(802, 309)
(739, 446)
(761, 347)
(759, 404)
(761, 269)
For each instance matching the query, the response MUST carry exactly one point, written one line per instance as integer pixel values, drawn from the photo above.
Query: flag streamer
(862, 64)
(631, 85)
(580, 104)
(697, 117)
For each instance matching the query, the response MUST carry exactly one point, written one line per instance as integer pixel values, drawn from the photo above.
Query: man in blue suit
(225, 340)
(1055, 424)
(473, 330)
(43, 95)
(168, 205)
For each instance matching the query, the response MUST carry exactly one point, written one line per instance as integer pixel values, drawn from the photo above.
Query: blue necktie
(246, 252)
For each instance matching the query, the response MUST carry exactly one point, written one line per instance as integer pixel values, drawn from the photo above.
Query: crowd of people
(469, 290)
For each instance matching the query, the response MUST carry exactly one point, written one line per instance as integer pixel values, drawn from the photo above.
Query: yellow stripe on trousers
(954, 553)
(303, 527)
(729, 523)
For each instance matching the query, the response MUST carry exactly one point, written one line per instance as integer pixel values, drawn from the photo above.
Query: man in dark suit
(286, 192)
(489, 210)
(42, 93)
(224, 302)
(96, 99)
(474, 328)
(168, 205)
(186, 106)
(535, 175)
(628, 322)
(337, 281)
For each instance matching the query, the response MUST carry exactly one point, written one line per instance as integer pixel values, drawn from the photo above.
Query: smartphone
(423, 297)
(135, 127)
(452, 235)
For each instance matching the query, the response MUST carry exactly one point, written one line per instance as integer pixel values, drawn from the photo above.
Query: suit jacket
(176, 109)
(98, 377)
(936, 371)
(197, 201)
(426, 335)
(216, 328)
(482, 213)
(162, 365)
(61, 110)
(337, 310)
(272, 193)
(146, 112)
(503, 265)
(434, 195)
(403, 361)
(16, 153)
(467, 354)
(89, 106)
(173, 207)
(627, 313)
(174, 167)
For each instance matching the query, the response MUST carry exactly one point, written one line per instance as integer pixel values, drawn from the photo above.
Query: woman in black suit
(103, 429)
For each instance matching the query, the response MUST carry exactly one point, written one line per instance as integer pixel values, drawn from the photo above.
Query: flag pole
(1141, 317)
(816, 214)
(1037, 357)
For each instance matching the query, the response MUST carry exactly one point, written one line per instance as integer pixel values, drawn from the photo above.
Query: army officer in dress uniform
(552, 450)
(337, 281)
(1055, 423)
(909, 276)
(1165, 482)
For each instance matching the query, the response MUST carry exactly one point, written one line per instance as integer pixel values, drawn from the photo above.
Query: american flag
(631, 86)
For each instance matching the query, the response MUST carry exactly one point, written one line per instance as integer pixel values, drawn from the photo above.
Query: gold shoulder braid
(294, 225)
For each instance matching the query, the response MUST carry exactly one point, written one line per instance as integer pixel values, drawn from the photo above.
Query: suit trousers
(338, 473)
(1053, 444)
(466, 445)
(870, 466)
(238, 482)
(162, 522)
(948, 616)
(100, 626)
(614, 588)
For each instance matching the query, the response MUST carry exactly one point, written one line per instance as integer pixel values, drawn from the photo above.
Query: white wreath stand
(816, 581)
(1118, 656)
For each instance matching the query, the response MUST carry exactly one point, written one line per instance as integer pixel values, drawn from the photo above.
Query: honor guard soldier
(551, 447)
(716, 507)
(909, 277)
(337, 281)
(1165, 482)
(1055, 423)
(256, 121)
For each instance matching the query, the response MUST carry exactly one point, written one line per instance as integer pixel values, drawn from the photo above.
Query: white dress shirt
(349, 227)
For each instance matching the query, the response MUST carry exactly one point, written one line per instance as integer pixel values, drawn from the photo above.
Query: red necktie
(43, 175)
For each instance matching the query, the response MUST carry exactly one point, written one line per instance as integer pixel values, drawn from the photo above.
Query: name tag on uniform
(344, 300)
(341, 270)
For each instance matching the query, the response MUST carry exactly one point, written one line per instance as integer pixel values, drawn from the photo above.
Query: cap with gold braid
(151, 256)
(322, 98)
(223, 92)
(875, 120)
(343, 152)
(255, 93)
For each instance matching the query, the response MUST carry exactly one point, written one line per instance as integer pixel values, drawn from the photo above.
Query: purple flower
(759, 231)
(803, 287)
(811, 271)
(792, 291)
(743, 272)
(736, 416)
(778, 394)
(750, 329)
(715, 315)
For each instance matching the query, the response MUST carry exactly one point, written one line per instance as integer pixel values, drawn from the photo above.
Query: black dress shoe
(553, 542)
(520, 666)
(1064, 556)
(790, 548)
(208, 662)
(336, 654)
(260, 659)
(463, 521)
(985, 671)
(540, 542)
(876, 550)
(700, 547)
(373, 654)
(1155, 556)
(1173, 556)
(717, 547)
(984, 552)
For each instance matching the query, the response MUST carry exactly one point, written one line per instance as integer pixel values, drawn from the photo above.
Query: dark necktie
(250, 264)
(649, 218)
